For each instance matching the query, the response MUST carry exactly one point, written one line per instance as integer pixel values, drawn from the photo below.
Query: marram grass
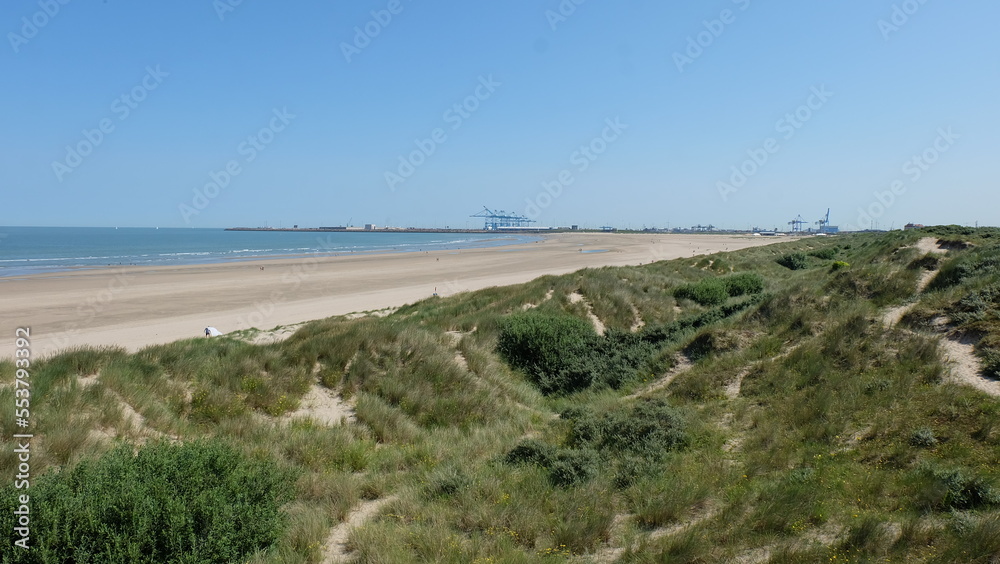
(736, 409)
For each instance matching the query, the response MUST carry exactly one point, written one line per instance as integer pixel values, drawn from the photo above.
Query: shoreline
(499, 240)
(136, 306)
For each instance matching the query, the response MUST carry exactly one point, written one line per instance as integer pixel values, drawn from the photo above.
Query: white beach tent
(212, 332)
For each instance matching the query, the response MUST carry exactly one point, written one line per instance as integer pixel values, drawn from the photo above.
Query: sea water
(33, 250)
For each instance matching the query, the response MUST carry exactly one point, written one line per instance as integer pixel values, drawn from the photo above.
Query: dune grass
(805, 430)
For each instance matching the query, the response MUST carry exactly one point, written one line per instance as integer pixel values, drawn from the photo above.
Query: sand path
(324, 406)
(335, 548)
(965, 365)
(927, 245)
(599, 327)
(683, 364)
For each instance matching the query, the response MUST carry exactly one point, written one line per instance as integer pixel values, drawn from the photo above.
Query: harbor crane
(824, 221)
(797, 223)
(494, 220)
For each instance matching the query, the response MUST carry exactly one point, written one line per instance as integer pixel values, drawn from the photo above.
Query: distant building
(369, 227)
(909, 226)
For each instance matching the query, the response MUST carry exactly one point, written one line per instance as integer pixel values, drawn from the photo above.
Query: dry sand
(138, 306)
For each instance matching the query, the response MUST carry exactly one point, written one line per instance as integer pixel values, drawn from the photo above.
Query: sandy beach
(137, 306)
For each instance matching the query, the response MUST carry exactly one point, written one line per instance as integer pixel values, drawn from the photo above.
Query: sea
(39, 250)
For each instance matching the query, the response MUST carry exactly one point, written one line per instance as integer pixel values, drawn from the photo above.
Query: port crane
(494, 220)
(797, 223)
(824, 221)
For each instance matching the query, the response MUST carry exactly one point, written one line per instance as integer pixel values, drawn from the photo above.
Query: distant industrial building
(909, 226)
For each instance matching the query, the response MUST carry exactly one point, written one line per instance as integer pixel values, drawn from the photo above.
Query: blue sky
(633, 113)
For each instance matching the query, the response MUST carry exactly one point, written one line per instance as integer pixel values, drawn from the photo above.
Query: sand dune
(137, 306)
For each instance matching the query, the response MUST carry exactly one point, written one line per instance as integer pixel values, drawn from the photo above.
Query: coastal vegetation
(816, 400)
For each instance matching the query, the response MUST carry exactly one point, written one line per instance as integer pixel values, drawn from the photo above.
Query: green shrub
(649, 429)
(923, 438)
(839, 265)
(531, 451)
(975, 263)
(562, 354)
(708, 292)
(949, 489)
(977, 306)
(991, 363)
(548, 348)
(828, 253)
(715, 291)
(794, 261)
(744, 284)
(565, 466)
(201, 502)
(571, 467)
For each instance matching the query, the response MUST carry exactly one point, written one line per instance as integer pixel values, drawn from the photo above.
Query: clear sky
(634, 113)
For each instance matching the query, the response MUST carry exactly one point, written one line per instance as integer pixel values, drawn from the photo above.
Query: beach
(136, 306)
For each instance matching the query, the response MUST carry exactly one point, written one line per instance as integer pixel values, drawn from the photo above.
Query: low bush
(571, 467)
(794, 261)
(200, 502)
(975, 263)
(566, 467)
(648, 429)
(991, 363)
(548, 348)
(744, 284)
(829, 253)
(839, 265)
(923, 438)
(977, 306)
(950, 489)
(562, 354)
(531, 451)
(708, 292)
(715, 291)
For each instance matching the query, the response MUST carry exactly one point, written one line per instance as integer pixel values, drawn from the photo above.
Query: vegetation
(198, 502)
(794, 261)
(715, 291)
(735, 409)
